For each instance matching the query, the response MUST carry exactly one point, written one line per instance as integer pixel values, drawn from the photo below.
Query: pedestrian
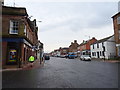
(31, 60)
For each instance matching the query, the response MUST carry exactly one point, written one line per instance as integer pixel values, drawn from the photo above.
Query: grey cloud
(83, 19)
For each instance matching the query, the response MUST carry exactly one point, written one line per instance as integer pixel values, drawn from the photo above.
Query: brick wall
(4, 52)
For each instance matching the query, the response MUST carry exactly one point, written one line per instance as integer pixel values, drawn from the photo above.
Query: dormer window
(14, 26)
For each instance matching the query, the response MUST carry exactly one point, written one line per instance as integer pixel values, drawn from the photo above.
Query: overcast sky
(64, 22)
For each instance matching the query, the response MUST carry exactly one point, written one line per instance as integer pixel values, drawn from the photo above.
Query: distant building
(64, 51)
(84, 47)
(40, 51)
(56, 53)
(73, 46)
(19, 37)
(116, 24)
(104, 48)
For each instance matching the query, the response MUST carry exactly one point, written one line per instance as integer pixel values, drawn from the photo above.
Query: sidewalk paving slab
(35, 64)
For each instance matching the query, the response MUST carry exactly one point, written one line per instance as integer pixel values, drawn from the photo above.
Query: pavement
(111, 61)
(35, 64)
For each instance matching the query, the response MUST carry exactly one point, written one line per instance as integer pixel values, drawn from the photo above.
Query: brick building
(73, 46)
(64, 51)
(19, 37)
(84, 47)
(116, 24)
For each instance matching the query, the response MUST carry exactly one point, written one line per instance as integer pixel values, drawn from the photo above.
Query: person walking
(31, 60)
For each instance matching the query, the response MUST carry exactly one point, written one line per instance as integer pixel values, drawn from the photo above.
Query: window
(100, 53)
(119, 33)
(118, 50)
(25, 29)
(103, 53)
(14, 27)
(97, 45)
(94, 53)
(118, 20)
(102, 44)
(93, 46)
(103, 48)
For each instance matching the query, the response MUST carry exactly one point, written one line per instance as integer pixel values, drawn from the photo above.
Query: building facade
(84, 47)
(64, 51)
(116, 25)
(73, 46)
(104, 48)
(19, 37)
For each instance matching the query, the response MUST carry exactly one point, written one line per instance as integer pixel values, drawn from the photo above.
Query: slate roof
(103, 40)
(116, 14)
(20, 11)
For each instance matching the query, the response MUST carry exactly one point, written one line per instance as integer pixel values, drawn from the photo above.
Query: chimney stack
(75, 41)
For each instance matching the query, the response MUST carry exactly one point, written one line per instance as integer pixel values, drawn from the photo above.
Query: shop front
(12, 53)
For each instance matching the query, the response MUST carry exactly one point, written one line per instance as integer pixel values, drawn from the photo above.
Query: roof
(116, 14)
(85, 42)
(103, 40)
(65, 48)
(20, 11)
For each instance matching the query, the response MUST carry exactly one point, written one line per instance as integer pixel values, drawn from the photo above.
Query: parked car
(66, 56)
(71, 56)
(62, 56)
(85, 57)
(47, 57)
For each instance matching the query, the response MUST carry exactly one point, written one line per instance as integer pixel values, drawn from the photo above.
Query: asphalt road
(64, 73)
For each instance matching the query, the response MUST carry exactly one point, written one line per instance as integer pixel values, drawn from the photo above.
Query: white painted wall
(100, 49)
(109, 48)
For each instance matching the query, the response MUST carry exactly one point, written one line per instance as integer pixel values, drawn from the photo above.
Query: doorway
(98, 55)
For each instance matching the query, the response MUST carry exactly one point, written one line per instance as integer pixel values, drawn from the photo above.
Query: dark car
(66, 56)
(47, 57)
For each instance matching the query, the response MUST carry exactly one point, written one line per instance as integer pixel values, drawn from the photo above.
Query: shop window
(14, 26)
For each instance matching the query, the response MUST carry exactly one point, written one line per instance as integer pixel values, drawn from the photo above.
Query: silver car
(85, 57)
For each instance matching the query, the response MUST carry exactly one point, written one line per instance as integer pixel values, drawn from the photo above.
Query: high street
(65, 73)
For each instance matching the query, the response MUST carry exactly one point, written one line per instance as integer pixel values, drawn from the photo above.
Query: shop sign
(12, 55)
